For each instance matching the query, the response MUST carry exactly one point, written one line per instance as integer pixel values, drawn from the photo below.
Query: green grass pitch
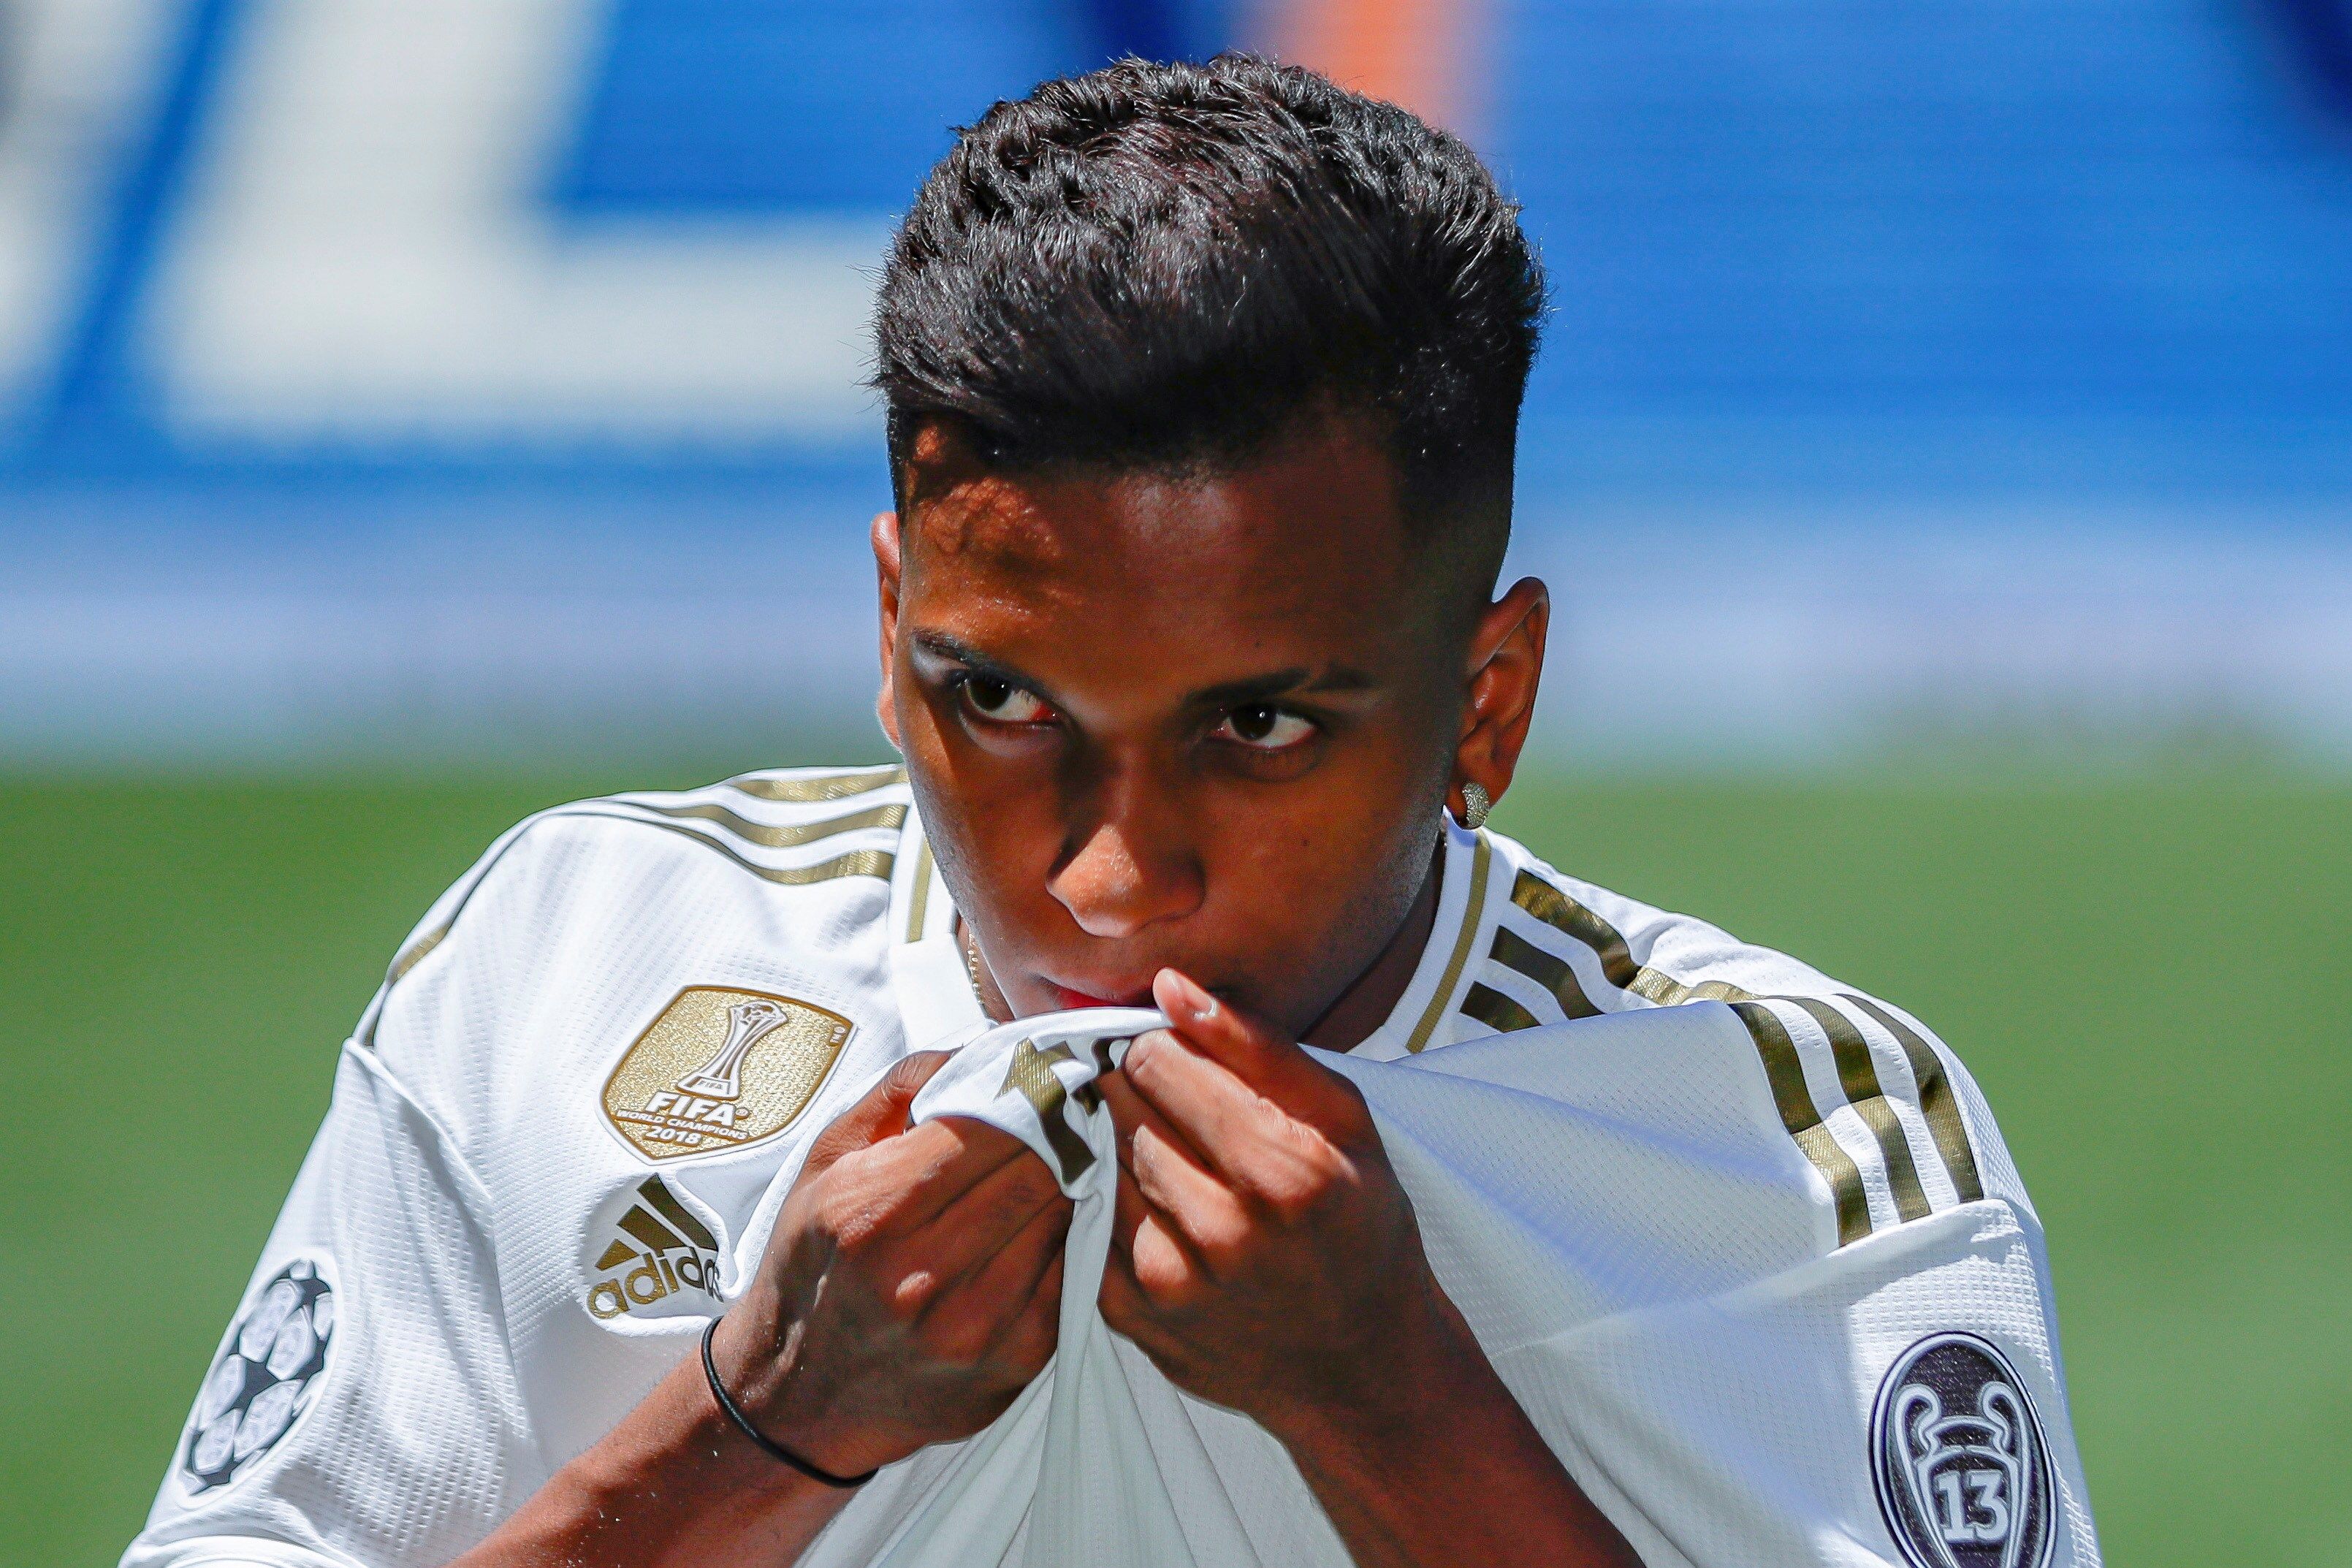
(2152, 978)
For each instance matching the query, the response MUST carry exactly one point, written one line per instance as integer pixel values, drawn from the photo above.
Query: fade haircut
(1166, 267)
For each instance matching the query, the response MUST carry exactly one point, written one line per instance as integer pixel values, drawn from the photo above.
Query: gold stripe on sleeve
(918, 900)
(1858, 1080)
(1936, 1102)
(1473, 908)
(409, 958)
(857, 863)
(1786, 1076)
(1565, 915)
(1548, 970)
(774, 838)
(824, 787)
(1496, 1010)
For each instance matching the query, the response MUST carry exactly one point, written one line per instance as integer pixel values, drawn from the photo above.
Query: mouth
(1070, 1001)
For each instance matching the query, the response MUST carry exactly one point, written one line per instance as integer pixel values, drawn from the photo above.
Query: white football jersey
(1772, 1288)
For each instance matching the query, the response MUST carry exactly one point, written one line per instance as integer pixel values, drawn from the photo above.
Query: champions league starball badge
(262, 1382)
(1963, 1473)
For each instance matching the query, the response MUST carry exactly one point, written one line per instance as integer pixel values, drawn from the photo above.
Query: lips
(1071, 1000)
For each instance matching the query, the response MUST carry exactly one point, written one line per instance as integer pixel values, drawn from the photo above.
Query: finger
(1028, 1339)
(906, 1183)
(1213, 1220)
(1128, 1211)
(880, 1112)
(1268, 1061)
(1121, 1300)
(998, 1290)
(1147, 1250)
(1129, 1111)
(1195, 1095)
(963, 1235)
(1245, 1045)
(1271, 1162)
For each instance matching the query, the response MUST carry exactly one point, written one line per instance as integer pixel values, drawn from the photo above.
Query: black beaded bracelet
(768, 1445)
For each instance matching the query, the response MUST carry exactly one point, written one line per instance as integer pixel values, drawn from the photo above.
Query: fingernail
(1202, 1005)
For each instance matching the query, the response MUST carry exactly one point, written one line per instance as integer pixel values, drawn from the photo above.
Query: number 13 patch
(1963, 1473)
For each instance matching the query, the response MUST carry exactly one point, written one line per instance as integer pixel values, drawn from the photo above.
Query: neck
(1366, 1005)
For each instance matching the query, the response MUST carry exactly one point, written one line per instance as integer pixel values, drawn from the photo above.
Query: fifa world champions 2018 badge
(721, 1069)
(264, 1379)
(1962, 1470)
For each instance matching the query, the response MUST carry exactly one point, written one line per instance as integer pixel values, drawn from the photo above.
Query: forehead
(1300, 557)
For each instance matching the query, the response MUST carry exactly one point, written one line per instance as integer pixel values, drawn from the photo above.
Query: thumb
(880, 1112)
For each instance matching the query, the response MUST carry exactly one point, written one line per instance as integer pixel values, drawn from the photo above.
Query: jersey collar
(927, 962)
(1422, 1015)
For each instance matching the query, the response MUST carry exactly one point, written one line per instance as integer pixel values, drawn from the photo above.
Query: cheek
(1330, 850)
(992, 822)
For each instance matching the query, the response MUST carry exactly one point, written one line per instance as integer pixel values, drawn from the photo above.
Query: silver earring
(1475, 805)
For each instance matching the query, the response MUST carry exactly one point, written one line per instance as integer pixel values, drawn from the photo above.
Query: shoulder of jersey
(834, 828)
(1872, 1098)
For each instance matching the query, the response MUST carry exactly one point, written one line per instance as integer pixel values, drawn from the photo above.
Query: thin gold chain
(971, 946)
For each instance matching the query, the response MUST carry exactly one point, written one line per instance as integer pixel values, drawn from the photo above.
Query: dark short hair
(1164, 267)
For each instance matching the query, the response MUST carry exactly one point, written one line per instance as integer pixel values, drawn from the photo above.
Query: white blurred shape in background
(365, 256)
(331, 426)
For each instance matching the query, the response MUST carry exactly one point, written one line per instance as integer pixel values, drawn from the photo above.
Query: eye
(1263, 727)
(1001, 702)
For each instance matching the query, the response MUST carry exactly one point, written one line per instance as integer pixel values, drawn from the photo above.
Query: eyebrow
(1297, 681)
(1289, 682)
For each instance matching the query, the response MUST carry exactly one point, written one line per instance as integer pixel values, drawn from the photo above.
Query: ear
(1506, 667)
(889, 571)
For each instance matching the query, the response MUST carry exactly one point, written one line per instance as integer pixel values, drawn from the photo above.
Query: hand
(911, 1288)
(1264, 1255)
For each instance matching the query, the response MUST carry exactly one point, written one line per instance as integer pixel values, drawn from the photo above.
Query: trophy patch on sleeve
(1962, 1469)
(721, 1069)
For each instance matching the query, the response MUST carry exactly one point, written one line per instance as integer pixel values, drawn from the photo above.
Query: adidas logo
(662, 1250)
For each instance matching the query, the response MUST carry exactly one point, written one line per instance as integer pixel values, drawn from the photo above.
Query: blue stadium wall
(481, 377)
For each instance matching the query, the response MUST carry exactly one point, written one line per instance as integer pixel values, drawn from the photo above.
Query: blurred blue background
(481, 379)
(416, 412)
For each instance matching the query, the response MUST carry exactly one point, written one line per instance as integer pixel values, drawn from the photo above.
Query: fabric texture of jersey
(1697, 1244)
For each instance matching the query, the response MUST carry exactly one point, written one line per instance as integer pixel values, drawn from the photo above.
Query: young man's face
(1205, 724)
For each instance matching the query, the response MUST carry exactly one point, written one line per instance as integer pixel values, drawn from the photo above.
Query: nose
(1130, 864)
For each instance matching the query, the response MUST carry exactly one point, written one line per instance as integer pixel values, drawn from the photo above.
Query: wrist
(1426, 1375)
(754, 1363)
(744, 1425)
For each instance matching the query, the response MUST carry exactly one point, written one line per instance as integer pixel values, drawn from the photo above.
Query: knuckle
(1226, 1244)
(1144, 1052)
(916, 1290)
(1034, 1349)
(1293, 1202)
(850, 1218)
(1175, 1295)
(957, 1339)
(907, 1075)
(1032, 1185)
(1304, 1189)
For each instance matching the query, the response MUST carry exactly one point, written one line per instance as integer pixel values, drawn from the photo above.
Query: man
(1203, 386)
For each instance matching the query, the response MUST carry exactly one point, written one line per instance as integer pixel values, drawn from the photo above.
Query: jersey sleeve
(1736, 1371)
(363, 1406)
(1898, 1402)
